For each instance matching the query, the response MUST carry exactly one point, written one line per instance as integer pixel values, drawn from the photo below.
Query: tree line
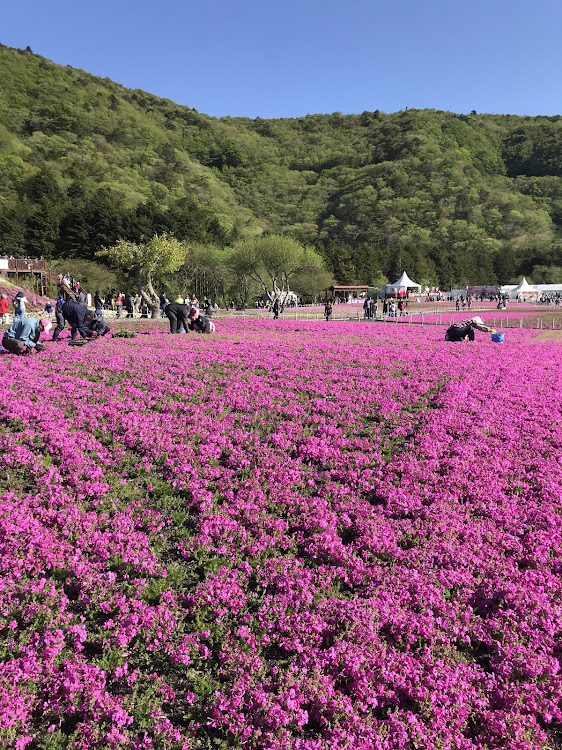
(266, 267)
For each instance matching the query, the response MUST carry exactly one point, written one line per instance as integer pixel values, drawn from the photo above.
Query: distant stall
(346, 293)
(549, 289)
(482, 291)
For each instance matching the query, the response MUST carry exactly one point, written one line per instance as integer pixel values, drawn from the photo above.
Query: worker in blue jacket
(22, 337)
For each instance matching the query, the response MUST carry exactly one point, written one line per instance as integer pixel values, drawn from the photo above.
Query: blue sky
(287, 59)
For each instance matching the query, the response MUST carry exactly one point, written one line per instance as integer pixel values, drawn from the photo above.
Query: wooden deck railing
(29, 265)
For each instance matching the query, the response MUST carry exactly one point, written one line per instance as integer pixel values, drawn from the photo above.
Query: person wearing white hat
(22, 337)
(464, 329)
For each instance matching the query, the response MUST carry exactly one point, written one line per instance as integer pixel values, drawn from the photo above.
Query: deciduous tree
(147, 262)
(271, 261)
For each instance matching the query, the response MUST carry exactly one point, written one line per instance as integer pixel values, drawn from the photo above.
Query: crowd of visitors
(22, 337)
(183, 313)
(391, 307)
(551, 299)
(126, 304)
(463, 301)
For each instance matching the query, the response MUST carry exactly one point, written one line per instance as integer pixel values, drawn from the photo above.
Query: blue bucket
(497, 338)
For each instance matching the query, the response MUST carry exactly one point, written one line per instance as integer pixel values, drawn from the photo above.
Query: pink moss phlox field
(308, 536)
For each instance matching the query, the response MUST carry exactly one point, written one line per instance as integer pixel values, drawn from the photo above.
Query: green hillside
(451, 198)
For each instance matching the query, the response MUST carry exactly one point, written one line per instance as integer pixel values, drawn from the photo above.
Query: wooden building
(31, 273)
(344, 292)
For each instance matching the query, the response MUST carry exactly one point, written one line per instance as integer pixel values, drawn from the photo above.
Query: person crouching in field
(76, 315)
(200, 323)
(23, 335)
(464, 329)
(92, 322)
(96, 322)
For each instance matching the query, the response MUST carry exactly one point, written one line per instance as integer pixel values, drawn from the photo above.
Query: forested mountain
(451, 198)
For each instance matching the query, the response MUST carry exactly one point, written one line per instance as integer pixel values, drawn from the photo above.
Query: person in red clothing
(3, 308)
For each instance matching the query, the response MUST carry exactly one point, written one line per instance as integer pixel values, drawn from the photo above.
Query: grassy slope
(413, 180)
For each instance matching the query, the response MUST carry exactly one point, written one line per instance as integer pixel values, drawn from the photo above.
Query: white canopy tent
(523, 289)
(403, 283)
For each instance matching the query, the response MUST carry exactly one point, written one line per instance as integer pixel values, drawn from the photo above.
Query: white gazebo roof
(524, 286)
(405, 283)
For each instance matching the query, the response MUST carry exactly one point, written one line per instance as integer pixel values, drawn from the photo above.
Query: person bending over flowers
(75, 315)
(464, 329)
(93, 322)
(177, 314)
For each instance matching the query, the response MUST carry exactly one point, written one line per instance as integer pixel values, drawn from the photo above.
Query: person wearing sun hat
(22, 337)
(464, 329)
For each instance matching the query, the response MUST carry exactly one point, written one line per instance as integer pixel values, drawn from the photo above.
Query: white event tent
(523, 289)
(549, 288)
(404, 283)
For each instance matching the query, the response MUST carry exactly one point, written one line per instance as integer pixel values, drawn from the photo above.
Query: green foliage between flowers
(124, 335)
